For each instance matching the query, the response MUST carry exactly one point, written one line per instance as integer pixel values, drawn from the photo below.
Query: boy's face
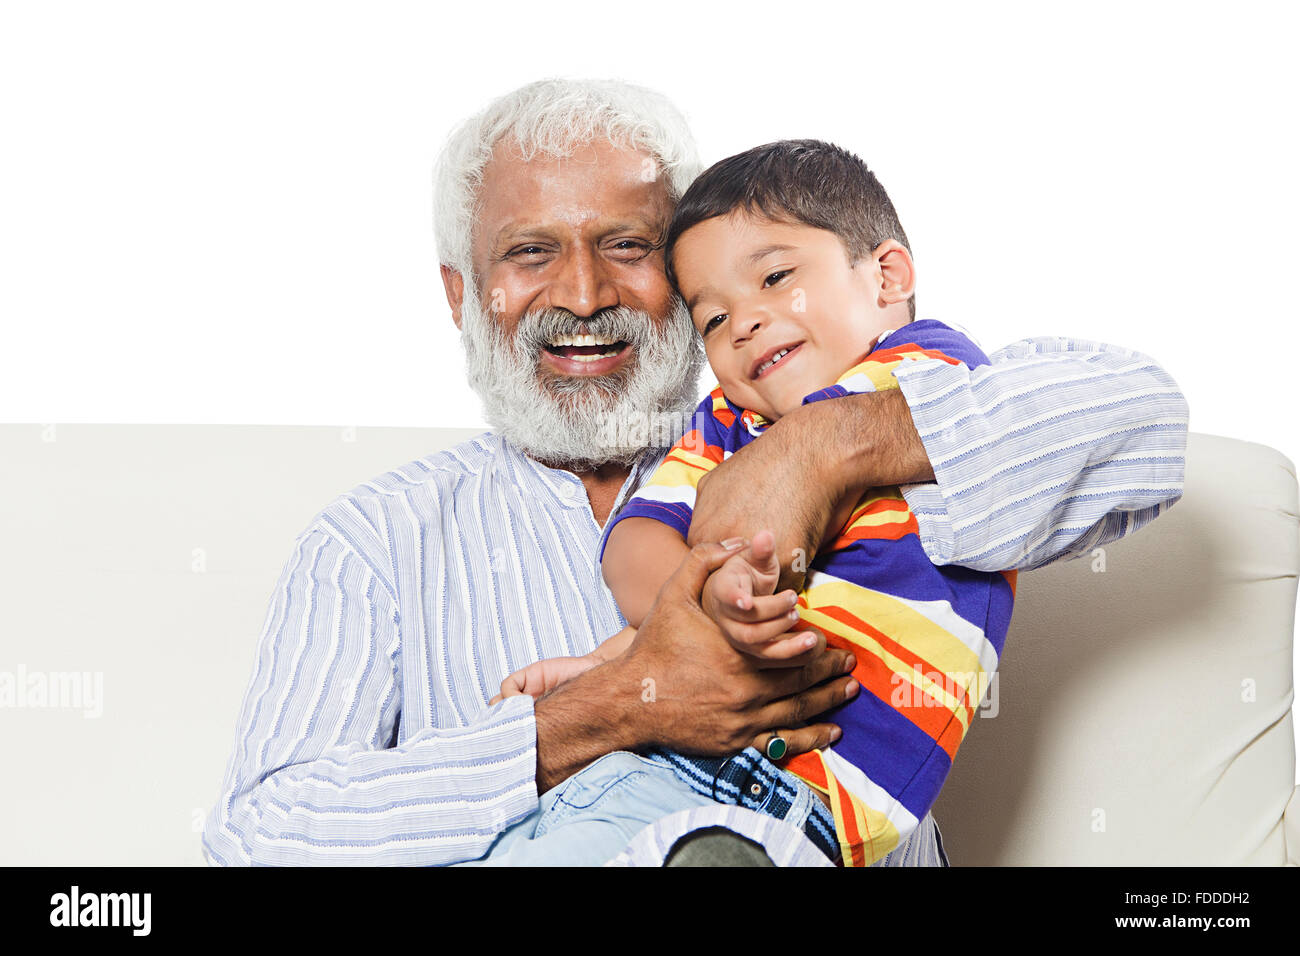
(756, 287)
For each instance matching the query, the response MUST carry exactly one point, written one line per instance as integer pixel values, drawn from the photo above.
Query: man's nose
(581, 284)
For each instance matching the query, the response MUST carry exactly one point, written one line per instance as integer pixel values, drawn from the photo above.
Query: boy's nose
(745, 328)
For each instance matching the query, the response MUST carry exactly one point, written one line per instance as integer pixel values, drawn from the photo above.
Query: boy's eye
(710, 323)
(776, 277)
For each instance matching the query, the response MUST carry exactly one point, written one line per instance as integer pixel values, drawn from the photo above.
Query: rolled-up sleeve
(318, 776)
(1058, 447)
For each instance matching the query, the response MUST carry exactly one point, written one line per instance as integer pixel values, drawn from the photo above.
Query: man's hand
(808, 472)
(739, 598)
(681, 686)
(707, 698)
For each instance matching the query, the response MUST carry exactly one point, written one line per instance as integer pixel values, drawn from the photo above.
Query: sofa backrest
(1143, 708)
(1143, 711)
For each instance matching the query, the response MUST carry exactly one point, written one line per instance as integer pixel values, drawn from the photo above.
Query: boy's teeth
(772, 361)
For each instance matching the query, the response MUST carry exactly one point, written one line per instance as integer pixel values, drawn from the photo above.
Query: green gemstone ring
(776, 747)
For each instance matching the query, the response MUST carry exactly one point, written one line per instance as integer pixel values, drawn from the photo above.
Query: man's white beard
(580, 422)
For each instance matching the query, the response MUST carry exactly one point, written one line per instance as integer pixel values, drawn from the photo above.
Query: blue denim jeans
(591, 817)
(588, 819)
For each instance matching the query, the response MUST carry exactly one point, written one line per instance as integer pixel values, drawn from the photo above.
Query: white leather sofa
(1142, 714)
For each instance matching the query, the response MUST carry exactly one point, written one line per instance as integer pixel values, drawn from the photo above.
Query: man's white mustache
(578, 419)
(539, 329)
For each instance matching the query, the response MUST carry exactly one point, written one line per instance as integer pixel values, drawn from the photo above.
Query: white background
(220, 212)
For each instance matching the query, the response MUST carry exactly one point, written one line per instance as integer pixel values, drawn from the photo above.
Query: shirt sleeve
(318, 775)
(1057, 447)
(668, 495)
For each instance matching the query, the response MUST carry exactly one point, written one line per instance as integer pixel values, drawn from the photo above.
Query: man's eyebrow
(633, 225)
(513, 232)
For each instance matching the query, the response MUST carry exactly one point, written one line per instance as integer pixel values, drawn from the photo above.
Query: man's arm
(1060, 446)
(682, 687)
(1057, 447)
(320, 775)
(317, 775)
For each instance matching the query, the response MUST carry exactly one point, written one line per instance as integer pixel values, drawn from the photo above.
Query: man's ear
(454, 283)
(897, 272)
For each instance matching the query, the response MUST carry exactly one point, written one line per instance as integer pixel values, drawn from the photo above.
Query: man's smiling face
(573, 320)
(581, 233)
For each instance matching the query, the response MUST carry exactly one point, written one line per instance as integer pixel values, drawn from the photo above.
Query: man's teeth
(587, 341)
(562, 340)
(772, 361)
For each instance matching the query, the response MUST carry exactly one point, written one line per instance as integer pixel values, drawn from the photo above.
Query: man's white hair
(554, 117)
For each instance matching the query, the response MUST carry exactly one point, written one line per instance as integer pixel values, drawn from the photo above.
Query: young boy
(799, 278)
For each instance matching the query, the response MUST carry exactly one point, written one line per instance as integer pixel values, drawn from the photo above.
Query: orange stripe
(927, 712)
(808, 766)
(851, 839)
(879, 532)
(899, 352)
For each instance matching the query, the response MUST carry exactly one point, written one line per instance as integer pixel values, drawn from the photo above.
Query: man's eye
(776, 277)
(710, 323)
(635, 247)
(526, 251)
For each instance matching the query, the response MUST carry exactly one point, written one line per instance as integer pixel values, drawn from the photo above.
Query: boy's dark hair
(795, 180)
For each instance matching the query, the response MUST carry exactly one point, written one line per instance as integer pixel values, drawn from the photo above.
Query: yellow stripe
(881, 517)
(970, 677)
(941, 649)
(879, 835)
(674, 474)
(690, 458)
(920, 680)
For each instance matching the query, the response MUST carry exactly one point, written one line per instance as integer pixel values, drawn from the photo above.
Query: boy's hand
(542, 677)
(738, 596)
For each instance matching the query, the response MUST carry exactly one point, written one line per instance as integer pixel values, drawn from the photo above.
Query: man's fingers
(801, 740)
(797, 710)
(816, 665)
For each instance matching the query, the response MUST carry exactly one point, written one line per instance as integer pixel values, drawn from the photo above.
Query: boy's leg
(589, 818)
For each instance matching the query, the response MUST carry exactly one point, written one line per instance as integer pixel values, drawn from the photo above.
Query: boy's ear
(454, 284)
(897, 272)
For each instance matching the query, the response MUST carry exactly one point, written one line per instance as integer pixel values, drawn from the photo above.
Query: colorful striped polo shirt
(927, 637)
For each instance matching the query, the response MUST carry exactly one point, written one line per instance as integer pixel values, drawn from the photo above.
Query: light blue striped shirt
(365, 736)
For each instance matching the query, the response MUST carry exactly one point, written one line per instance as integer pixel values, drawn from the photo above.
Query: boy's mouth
(772, 358)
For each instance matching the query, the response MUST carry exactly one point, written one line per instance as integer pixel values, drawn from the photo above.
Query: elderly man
(366, 735)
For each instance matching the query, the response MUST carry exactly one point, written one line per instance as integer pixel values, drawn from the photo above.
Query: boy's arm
(640, 555)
